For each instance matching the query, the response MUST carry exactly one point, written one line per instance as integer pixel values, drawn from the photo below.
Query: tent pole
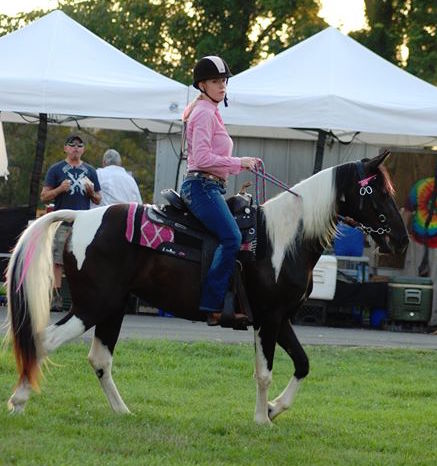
(38, 162)
(320, 149)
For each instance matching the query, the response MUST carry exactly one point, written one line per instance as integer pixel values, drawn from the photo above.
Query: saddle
(192, 241)
(176, 215)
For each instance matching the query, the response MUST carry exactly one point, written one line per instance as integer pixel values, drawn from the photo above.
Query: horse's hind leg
(18, 399)
(100, 358)
(54, 336)
(288, 341)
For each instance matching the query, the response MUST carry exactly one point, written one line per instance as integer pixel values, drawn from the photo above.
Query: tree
(422, 39)
(386, 22)
(397, 23)
(243, 32)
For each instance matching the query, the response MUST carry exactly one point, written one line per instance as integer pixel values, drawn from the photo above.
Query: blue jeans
(205, 200)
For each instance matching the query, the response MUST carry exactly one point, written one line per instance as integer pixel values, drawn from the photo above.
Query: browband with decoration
(365, 181)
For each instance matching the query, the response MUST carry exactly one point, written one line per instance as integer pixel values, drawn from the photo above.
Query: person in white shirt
(117, 185)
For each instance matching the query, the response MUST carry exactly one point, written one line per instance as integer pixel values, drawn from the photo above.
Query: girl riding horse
(102, 268)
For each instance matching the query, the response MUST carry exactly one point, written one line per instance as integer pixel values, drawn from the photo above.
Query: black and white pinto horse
(102, 268)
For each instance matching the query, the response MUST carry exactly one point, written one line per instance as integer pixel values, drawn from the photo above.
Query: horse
(102, 268)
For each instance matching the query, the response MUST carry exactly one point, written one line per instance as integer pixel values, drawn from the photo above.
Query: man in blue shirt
(71, 184)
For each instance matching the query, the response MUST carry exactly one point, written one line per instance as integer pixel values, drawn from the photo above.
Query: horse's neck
(317, 204)
(290, 219)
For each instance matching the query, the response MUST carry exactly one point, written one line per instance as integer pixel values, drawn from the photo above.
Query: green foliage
(397, 23)
(21, 147)
(386, 23)
(193, 403)
(422, 39)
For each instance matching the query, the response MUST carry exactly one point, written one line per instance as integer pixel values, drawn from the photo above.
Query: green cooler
(410, 299)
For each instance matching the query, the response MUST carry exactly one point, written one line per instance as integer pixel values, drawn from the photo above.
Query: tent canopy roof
(55, 65)
(331, 82)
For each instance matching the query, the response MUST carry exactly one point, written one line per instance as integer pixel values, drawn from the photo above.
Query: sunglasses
(75, 144)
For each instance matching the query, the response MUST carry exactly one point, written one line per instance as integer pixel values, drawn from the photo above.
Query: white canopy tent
(331, 82)
(58, 67)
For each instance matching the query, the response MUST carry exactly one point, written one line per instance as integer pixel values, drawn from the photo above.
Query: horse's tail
(29, 292)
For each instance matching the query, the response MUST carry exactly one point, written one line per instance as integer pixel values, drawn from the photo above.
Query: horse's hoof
(15, 409)
(273, 411)
(263, 421)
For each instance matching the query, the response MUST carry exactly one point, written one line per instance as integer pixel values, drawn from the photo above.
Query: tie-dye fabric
(419, 201)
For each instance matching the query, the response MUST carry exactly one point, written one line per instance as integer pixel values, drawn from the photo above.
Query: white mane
(313, 210)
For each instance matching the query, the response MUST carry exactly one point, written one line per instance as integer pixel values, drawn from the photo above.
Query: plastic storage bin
(410, 299)
(324, 278)
(348, 241)
(354, 269)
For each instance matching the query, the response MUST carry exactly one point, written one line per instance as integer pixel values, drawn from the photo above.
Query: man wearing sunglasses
(70, 184)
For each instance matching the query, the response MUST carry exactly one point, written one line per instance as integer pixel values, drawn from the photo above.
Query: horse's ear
(374, 163)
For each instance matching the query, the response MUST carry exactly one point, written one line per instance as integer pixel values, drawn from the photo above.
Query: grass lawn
(193, 405)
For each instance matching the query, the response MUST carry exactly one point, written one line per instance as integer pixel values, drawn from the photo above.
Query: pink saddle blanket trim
(151, 234)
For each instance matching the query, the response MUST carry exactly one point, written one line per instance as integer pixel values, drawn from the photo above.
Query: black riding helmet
(210, 67)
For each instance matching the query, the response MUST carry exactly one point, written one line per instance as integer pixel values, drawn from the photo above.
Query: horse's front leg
(288, 341)
(265, 341)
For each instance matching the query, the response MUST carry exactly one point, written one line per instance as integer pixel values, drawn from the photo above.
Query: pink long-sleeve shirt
(208, 142)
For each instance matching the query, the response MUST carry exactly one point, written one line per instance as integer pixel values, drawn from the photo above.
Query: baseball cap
(74, 137)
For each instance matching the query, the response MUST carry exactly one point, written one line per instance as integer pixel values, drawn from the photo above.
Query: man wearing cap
(71, 184)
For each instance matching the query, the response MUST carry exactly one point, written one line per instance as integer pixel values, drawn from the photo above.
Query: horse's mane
(312, 215)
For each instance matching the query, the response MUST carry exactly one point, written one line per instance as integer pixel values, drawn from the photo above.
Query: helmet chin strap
(225, 100)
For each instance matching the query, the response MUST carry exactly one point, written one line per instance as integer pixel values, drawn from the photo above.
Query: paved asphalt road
(148, 326)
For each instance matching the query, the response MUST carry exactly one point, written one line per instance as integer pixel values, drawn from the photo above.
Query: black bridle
(366, 190)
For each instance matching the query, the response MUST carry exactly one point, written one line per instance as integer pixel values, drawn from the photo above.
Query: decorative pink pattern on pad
(141, 230)
(152, 235)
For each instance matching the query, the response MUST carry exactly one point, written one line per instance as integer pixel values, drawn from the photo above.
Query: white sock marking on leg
(100, 359)
(263, 379)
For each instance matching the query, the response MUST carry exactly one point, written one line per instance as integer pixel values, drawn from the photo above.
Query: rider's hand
(249, 163)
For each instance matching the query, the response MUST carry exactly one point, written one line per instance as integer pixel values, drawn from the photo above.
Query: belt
(206, 175)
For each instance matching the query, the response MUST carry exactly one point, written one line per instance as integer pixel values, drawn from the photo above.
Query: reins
(260, 191)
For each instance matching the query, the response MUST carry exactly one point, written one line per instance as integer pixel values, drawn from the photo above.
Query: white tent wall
(288, 159)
